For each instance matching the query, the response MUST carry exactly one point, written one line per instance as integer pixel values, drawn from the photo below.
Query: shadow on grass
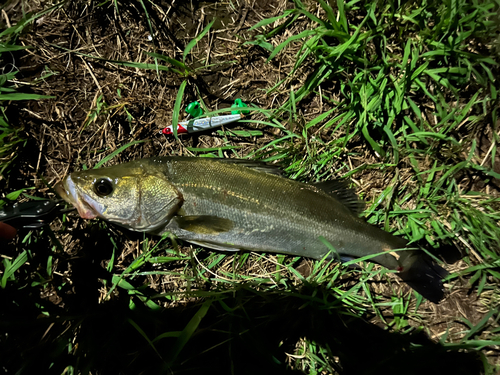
(243, 332)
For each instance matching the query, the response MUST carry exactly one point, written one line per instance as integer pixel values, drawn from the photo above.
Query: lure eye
(103, 187)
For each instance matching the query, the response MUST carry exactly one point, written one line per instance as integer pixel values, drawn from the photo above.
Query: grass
(10, 136)
(401, 98)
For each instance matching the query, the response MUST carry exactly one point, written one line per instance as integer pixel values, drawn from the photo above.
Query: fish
(238, 204)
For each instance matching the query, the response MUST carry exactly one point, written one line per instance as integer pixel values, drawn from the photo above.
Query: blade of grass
(177, 108)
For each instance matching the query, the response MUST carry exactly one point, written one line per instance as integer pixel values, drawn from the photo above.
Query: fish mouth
(68, 191)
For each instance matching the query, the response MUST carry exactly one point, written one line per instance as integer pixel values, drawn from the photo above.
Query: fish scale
(298, 213)
(230, 205)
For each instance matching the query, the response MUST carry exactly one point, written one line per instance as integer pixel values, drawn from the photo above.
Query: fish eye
(103, 187)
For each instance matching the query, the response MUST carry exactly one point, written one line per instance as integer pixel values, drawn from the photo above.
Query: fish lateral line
(218, 190)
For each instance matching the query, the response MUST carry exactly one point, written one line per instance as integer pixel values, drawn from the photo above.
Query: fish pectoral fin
(204, 224)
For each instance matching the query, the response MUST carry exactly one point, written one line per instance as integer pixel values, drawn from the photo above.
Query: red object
(7, 232)
(180, 130)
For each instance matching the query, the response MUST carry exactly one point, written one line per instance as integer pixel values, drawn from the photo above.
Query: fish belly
(276, 232)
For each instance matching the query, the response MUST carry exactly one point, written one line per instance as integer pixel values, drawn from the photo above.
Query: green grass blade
(188, 331)
(10, 269)
(177, 108)
(143, 334)
(195, 41)
(116, 152)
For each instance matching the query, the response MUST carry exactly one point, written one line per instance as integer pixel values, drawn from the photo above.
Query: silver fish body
(231, 205)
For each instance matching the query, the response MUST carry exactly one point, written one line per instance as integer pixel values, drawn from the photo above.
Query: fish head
(126, 194)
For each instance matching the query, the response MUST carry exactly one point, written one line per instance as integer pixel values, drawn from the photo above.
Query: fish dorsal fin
(204, 224)
(339, 189)
(256, 165)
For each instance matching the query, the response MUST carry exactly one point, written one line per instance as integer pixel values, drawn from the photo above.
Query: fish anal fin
(220, 247)
(348, 258)
(204, 224)
(339, 189)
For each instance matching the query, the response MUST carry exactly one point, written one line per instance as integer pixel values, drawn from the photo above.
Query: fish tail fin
(423, 274)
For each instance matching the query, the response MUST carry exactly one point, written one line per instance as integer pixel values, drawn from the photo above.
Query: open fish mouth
(87, 208)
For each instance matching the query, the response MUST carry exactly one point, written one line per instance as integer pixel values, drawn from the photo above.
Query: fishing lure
(200, 124)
